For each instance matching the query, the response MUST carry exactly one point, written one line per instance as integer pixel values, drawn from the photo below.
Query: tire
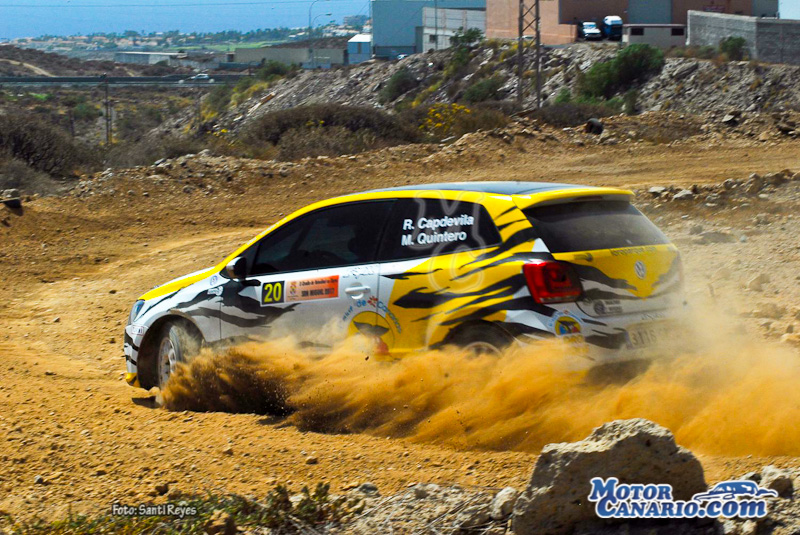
(175, 345)
(482, 340)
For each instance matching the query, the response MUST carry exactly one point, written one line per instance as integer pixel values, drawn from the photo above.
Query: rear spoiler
(572, 195)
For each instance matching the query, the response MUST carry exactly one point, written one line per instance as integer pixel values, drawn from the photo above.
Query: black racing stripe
(156, 303)
(516, 257)
(268, 315)
(504, 226)
(513, 207)
(515, 240)
(519, 303)
(594, 322)
(518, 329)
(200, 297)
(406, 275)
(592, 273)
(126, 339)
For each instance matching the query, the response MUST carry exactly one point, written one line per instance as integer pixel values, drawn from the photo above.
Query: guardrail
(172, 79)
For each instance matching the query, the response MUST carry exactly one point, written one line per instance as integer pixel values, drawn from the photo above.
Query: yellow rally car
(480, 265)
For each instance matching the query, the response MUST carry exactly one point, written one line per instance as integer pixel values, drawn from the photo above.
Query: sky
(31, 18)
(790, 9)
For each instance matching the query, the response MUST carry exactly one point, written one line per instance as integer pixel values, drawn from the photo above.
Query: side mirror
(237, 268)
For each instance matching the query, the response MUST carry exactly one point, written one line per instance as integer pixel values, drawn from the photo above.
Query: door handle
(356, 291)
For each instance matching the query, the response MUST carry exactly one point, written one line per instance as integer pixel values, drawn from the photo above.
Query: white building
(659, 35)
(439, 25)
(359, 48)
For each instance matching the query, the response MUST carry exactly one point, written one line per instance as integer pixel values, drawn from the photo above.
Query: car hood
(179, 283)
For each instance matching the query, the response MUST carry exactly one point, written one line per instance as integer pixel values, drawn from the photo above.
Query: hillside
(16, 61)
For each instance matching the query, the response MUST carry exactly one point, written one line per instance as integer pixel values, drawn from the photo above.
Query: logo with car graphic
(729, 499)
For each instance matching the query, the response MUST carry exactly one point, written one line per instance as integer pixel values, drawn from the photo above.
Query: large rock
(634, 451)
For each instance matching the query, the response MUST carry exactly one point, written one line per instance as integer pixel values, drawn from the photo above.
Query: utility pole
(104, 77)
(524, 12)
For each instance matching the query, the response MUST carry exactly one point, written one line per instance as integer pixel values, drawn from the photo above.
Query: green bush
(734, 48)
(632, 64)
(630, 101)
(301, 131)
(84, 111)
(400, 83)
(272, 69)
(271, 127)
(219, 98)
(466, 37)
(483, 90)
(564, 96)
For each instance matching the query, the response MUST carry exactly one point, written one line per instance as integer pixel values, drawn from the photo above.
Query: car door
(311, 278)
(425, 274)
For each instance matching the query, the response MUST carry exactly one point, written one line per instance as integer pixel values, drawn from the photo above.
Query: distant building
(326, 53)
(395, 23)
(561, 17)
(359, 48)
(439, 25)
(355, 21)
(145, 58)
(658, 35)
(767, 39)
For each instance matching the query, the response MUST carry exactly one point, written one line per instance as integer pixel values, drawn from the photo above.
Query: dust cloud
(727, 394)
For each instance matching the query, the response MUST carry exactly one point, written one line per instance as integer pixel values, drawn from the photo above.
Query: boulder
(684, 195)
(634, 451)
(778, 480)
(503, 503)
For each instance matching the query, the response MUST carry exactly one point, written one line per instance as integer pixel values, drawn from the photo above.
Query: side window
(330, 237)
(431, 227)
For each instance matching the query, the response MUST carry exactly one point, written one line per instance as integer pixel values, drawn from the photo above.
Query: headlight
(137, 307)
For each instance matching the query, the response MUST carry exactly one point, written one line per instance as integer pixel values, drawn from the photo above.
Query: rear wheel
(176, 345)
(482, 340)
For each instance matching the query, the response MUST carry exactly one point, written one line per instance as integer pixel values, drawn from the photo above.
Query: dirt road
(73, 266)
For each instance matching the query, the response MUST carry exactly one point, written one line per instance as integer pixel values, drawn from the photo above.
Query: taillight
(552, 282)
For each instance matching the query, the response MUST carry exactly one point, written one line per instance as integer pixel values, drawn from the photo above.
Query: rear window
(586, 226)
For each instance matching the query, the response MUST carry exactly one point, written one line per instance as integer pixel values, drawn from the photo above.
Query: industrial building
(772, 40)
(439, 25)
(316, 54)
(396, 24)
(559, 18)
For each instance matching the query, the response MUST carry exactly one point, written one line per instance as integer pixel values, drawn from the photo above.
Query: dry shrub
(568, 114)
(147, 151)
(42, 146)
(310, 142)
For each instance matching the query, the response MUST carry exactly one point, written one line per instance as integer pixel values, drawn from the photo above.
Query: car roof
(497, 188)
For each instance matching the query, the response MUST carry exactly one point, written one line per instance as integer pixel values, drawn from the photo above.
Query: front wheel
(176, 345)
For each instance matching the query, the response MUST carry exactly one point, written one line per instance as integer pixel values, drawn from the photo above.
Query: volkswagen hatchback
(481, 265)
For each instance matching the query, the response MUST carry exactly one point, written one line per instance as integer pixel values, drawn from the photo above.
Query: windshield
(592, 225)
(589, 25)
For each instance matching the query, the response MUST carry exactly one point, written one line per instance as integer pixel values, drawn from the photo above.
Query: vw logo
(640, 269)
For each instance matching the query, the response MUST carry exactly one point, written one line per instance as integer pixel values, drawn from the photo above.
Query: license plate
(648, 334)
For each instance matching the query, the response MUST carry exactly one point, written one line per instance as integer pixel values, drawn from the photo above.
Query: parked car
(612, 28)
(479, 265)
(590, 31)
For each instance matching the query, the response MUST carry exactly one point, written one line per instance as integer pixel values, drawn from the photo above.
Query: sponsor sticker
(729, 499)
(311, 289)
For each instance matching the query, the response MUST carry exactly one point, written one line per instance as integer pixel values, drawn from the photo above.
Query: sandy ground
(72, 267)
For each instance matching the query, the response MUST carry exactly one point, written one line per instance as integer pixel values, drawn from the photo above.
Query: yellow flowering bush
(441, 118)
